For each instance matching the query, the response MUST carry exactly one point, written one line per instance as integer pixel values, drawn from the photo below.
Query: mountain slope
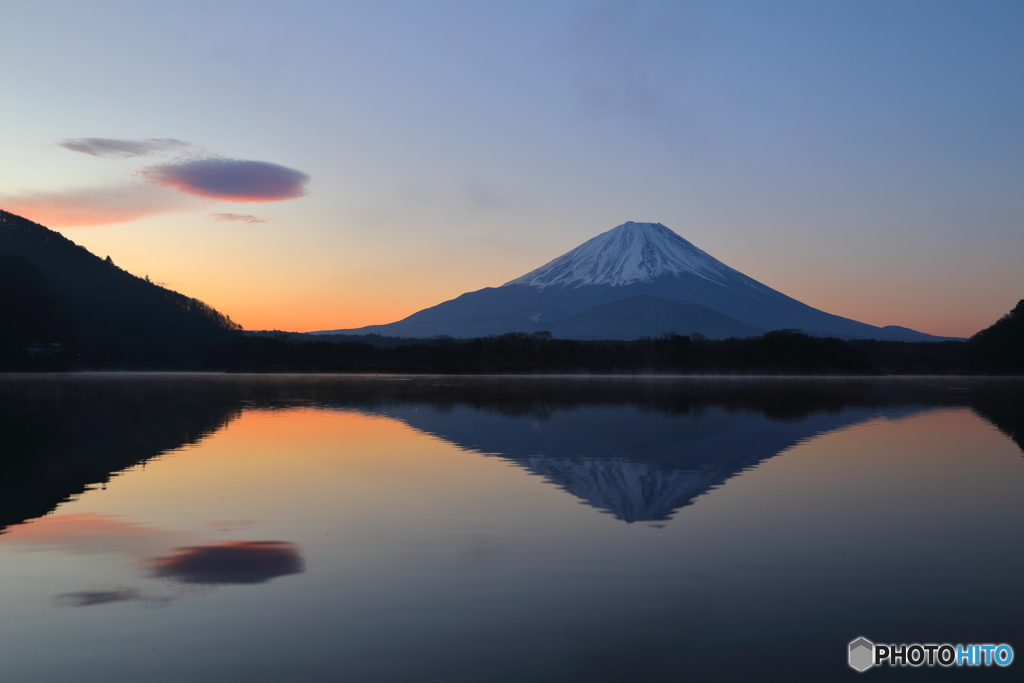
(648, 316)
(1000, 347)
(630, 260)
(113, 317)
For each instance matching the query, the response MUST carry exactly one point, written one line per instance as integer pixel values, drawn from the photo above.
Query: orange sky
(267, 279)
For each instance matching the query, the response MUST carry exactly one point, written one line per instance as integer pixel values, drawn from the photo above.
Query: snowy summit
(632, 252)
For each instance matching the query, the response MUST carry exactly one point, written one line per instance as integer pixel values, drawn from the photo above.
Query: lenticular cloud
(244, 218)
(231, 180)
(112, 148)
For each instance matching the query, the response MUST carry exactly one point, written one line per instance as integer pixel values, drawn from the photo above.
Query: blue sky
(864, 157)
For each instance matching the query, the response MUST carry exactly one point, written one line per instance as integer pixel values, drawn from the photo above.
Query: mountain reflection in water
(395, 529)
(637, 464)
(636, 448)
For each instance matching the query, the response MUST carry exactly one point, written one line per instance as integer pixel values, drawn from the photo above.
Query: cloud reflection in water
(88, 598)
(230, 562)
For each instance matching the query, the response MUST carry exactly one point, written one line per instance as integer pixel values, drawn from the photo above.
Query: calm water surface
(232, 528)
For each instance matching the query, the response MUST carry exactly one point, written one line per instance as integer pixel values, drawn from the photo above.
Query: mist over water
(323, 528)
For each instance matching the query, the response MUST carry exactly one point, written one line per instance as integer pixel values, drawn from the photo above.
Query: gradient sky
(320, 165)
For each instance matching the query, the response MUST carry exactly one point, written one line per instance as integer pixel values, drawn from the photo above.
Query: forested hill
(1000, 348)
(59, 292)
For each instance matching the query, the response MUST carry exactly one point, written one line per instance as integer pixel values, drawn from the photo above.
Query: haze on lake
(230, 528)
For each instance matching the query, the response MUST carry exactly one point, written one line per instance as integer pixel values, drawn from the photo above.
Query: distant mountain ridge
(634, 262)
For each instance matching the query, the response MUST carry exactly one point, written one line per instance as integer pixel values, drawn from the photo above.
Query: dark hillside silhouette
(1000, 348)
(113, 318)
(29, 309)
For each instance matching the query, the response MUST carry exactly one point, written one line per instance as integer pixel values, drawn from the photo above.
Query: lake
(458, 529)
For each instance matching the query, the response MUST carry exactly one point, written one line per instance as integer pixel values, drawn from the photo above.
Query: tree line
(779, 352)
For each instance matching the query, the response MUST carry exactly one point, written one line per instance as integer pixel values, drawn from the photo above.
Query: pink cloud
(244, 218)
(95, 205)
(231, 180)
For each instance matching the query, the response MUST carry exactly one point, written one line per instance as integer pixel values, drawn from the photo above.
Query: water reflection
(636, 449)
(157, 553)
(397, 530)
(62, 436)
(638, 465)
(90, 598)
(92, 534)
(230, 562)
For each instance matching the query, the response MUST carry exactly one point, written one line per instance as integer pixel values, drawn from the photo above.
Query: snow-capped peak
(632, 252)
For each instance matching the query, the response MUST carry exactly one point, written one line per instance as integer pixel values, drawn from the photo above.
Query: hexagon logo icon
(862, 654)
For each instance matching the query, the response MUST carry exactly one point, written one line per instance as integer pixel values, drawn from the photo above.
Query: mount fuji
(634, 280)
